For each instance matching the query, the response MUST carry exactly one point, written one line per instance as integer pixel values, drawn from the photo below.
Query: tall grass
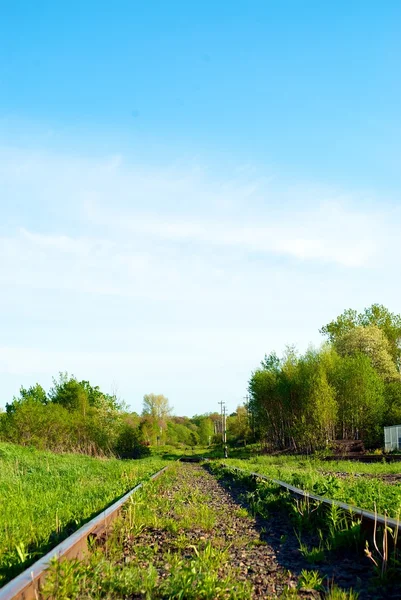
(314, 476)
(44, 497)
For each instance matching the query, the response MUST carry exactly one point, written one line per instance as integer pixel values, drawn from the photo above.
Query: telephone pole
(225, 434)
(223, 427)
(222, 418)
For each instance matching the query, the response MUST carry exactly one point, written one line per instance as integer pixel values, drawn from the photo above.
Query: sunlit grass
(319, 477)
(45, 496)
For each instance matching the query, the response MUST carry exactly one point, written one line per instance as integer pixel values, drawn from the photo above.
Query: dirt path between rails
(223, 524)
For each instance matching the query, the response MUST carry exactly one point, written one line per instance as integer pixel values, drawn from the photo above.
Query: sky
(187, 186)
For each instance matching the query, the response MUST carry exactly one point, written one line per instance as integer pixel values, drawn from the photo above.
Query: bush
(129, 443)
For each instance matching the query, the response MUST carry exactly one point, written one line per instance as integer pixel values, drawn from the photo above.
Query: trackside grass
(44, 497)
(320, 477)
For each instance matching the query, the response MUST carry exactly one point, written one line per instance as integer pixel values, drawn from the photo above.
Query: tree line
(75, 416)
(347, 389)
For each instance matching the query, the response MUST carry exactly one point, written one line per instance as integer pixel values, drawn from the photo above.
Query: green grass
(44, 497)
(319, 477)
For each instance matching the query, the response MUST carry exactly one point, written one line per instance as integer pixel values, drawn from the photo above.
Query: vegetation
(75, 416)
(331, 535)
(348, 389)
(314, 476)
(45, 497)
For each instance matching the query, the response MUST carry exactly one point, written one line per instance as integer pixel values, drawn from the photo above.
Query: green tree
(238, 426)
(377, 315)
(206, 431)
(392, 396)
(69, 393)
(360, 397)
(157, 406)
(267, 403)
(372, 341)
(317, 408)
(34, 393)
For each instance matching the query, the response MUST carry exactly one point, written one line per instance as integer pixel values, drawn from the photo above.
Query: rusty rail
(26, 586)
(366, 516)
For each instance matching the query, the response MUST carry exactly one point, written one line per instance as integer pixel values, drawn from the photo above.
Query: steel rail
(366, 515)
(26, 586)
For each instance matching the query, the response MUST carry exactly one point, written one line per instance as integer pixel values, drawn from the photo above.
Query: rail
(26, 586)
(367, 516)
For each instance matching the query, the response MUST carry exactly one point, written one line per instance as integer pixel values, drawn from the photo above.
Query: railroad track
(369, 519)
(259, 564)
(26, 586)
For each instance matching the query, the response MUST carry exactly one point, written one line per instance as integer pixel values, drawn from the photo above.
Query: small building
(392, 438)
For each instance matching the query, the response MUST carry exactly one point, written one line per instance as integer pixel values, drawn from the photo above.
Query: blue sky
(185, 186)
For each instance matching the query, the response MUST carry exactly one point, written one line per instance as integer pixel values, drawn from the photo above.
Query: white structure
(392, 438)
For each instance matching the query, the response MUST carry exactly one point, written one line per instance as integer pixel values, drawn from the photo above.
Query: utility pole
(223, 427)
(225, 433)
(222, 418)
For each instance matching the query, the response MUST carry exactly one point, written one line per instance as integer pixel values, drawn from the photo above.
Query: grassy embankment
(44, 497)
(320, 477)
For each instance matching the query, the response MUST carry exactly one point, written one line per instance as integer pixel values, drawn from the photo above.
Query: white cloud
(169, 279)
(329, 233)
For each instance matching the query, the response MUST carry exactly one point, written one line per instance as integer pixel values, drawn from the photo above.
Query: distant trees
(156, 409)
(157, 406)
(75, 416)
(206, 431)
(238, 426)
(349, 388)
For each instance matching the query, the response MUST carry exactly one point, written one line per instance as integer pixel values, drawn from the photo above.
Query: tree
(392, 396)
(317, 409)
(267, 404)
(35, 393)
(389, 323)
(157, 406)
(372, 341)
(377, 315)
(69, 393)
(206, 430)
(360, 397)
(238, 425)
(129, 442)
(99, 399)
(156, 409)
(340, 326)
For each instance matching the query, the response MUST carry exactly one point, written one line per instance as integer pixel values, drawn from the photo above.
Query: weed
(310, 580)
(242, 513)
(312, 475)
(314, 555)
(336, 593)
